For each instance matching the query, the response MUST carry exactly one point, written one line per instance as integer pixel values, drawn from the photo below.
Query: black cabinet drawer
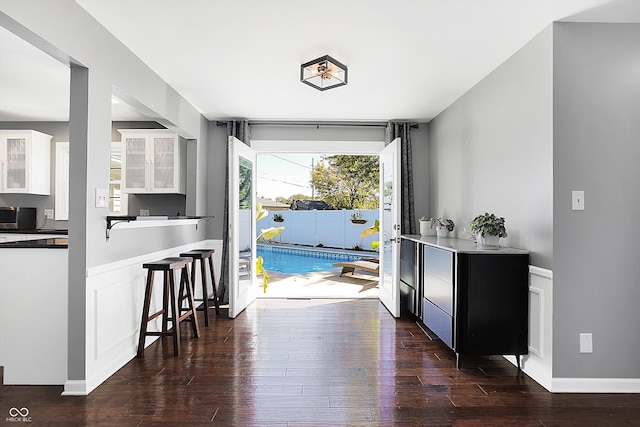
(439, 292)
(408, 300)
(408, 272)
(438, 321)
(439, 263)
(408, 251)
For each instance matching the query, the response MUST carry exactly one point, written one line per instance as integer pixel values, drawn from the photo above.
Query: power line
(283, 182)
(291, 161)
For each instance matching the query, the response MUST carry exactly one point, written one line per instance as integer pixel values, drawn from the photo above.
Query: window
(118, 201)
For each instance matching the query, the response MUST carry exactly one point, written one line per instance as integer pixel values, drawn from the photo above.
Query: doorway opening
(324, 202)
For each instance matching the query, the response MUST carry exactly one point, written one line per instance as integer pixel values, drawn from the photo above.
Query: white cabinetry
(153, 161)
(24, 162)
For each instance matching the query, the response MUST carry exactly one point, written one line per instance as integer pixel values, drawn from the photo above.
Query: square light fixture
(323, 73)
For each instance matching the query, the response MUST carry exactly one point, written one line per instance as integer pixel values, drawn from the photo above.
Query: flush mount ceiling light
(323, 73)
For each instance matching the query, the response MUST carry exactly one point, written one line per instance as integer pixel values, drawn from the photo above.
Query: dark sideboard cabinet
(475, 300)
(410, 289)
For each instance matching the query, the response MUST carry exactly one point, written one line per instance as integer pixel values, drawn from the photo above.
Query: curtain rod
(317, 124)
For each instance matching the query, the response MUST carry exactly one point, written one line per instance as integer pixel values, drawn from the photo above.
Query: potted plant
(278, 218)
(357, 218)
(488, 230)
(443, 226)
(426, 227)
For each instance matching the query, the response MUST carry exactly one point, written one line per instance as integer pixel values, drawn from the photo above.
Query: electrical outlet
(48, 214)
(586, 343)
(144, 212)
(102, 198)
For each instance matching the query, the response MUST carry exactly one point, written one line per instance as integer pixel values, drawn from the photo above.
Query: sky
(285, 174)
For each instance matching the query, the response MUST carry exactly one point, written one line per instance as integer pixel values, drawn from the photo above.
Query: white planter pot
(441, 231)
(426, 229)
(488, 241)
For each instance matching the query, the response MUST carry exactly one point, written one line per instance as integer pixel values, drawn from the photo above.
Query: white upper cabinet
(25, 162)
(153, 161)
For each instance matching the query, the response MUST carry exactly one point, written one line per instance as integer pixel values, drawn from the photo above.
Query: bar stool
(168, 266)
(202, 255)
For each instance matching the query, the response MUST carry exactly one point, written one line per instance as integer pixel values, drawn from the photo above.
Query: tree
(347, 181)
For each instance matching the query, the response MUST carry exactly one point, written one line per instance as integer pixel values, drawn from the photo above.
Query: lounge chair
(367, 264)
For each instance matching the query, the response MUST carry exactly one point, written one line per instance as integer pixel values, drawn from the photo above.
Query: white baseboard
(75, 388)
(595, 385)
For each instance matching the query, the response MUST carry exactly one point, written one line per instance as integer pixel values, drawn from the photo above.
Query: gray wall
(216, 186)
(491, 151)
(596, 149)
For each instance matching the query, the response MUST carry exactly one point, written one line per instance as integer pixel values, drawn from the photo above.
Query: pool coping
(337, 251)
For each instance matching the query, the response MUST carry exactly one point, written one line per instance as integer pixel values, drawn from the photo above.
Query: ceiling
(407, 59)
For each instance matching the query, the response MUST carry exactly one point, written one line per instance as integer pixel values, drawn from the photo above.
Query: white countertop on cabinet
(460, 245)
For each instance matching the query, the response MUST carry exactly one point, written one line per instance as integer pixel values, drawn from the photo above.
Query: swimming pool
(294, 260)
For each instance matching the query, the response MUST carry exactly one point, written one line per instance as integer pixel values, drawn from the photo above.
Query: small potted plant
(488, 230)
(443, 226)
(426, 227)
(277, 218)
(356, 218)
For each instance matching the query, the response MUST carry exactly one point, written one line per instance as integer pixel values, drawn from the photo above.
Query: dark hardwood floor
(316, 363)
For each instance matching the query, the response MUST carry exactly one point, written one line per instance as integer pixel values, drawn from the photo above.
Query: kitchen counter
(49, 243)
(38, 231)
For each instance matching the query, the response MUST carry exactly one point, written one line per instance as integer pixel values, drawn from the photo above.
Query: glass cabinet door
(136, 162)
(16, 166)
(163, 166)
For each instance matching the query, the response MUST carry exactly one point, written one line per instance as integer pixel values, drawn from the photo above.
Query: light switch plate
(102, 198)
(577, 200)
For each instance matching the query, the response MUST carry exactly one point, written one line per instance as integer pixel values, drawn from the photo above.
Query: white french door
(243, 287)
(390, 227)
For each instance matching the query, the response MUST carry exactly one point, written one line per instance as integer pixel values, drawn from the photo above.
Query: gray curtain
(239, 129)
(402, 130)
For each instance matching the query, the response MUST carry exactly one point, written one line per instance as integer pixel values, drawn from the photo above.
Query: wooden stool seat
(204, 255)
(168, 266)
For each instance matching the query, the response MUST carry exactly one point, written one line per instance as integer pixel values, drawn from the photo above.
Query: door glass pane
(163, 162)
(135, 155)
(245, 189)
(388, 232)
(16, 163)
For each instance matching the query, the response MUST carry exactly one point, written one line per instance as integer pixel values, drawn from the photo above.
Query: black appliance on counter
(17, 218)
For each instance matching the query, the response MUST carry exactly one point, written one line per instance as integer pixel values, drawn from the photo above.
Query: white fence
(327, 228)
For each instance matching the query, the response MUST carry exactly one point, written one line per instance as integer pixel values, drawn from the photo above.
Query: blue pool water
(292, 261)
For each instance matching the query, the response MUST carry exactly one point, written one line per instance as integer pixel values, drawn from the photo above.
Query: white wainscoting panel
(538, 363)
(115, 294)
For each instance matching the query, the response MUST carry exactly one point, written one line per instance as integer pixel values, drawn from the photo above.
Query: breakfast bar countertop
(36, 231)
(49, 243)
